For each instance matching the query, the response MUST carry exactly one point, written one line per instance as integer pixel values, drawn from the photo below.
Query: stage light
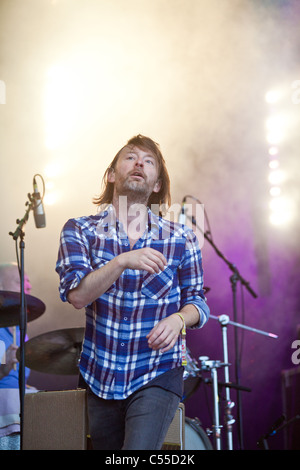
(273, 151)
(276, 177)
(273, 164)
(277, 204)
(276, 126)
(282, 210)
(275, 123)
(278, 219)
(275, 191)
(62, 95)
(54, 169)
(275, 137)
(50, 198)
(280, 125)
(273, 96)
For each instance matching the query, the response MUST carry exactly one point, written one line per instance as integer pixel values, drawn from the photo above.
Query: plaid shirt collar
(109, 225)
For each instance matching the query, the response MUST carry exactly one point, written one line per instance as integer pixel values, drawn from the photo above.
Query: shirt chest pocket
(158, 286)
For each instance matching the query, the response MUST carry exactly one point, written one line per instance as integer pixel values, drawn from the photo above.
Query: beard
(136, 191)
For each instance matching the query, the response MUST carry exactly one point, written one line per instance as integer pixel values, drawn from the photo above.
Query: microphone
(182, 214)
(38, 208)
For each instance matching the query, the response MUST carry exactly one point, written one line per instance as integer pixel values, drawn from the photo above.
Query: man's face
(135, 174)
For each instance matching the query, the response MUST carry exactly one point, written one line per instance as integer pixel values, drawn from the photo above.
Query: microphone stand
(236, 276)
(19, 233)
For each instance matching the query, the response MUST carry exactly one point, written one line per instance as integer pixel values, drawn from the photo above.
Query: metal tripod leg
(217, 428)
(206, 364)
(229, 404)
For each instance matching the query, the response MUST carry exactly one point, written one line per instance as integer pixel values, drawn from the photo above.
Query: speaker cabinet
(55, 421)
(175, 438)
(58, 421)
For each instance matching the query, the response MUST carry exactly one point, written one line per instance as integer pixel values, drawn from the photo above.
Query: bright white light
(60, 106)
(275, 191)
(273, 151)
(276, 126)
(275, 123)
(83, 92)
(274, 137)
(276, 177)
(49, 185)
(279, 219)
(282, 210)
(278, 204)
(273, 164)
(50, 198)
(273, 96)
(54, 169)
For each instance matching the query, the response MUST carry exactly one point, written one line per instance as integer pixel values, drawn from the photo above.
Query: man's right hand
(97, 282)
(147, 259)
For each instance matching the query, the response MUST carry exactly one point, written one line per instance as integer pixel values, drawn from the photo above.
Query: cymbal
(10, 304)
(55, 352)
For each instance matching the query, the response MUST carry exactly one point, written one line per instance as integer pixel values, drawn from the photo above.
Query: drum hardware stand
(236, 276)
(206, 364)
(224, 321)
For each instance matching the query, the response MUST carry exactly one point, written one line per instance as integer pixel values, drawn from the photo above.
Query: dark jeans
(139, 422)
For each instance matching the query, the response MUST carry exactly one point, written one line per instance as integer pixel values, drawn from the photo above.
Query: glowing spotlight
(274, 138)
(282, 211)
(275, 191)
(62, 95)
(273, 164)
(276, 123)
(273, 96)
(278, 204)
(278, 219)
(49, 185)
(276, 177)
(50, 199)
(54, 169)
(273, 151)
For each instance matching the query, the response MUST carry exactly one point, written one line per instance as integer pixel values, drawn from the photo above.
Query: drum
(191, 376)
(195, 437)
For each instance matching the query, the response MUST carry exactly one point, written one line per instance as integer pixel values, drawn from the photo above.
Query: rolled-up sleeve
(191, 279)
(73, 262)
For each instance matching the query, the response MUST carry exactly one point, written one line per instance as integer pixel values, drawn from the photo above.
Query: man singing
(140, 279)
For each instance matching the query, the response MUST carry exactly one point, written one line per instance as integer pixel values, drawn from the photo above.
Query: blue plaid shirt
(116, 359)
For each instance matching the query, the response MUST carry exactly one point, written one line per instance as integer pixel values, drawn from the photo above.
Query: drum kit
(195, 437)
(54, 352)
(58, 352)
